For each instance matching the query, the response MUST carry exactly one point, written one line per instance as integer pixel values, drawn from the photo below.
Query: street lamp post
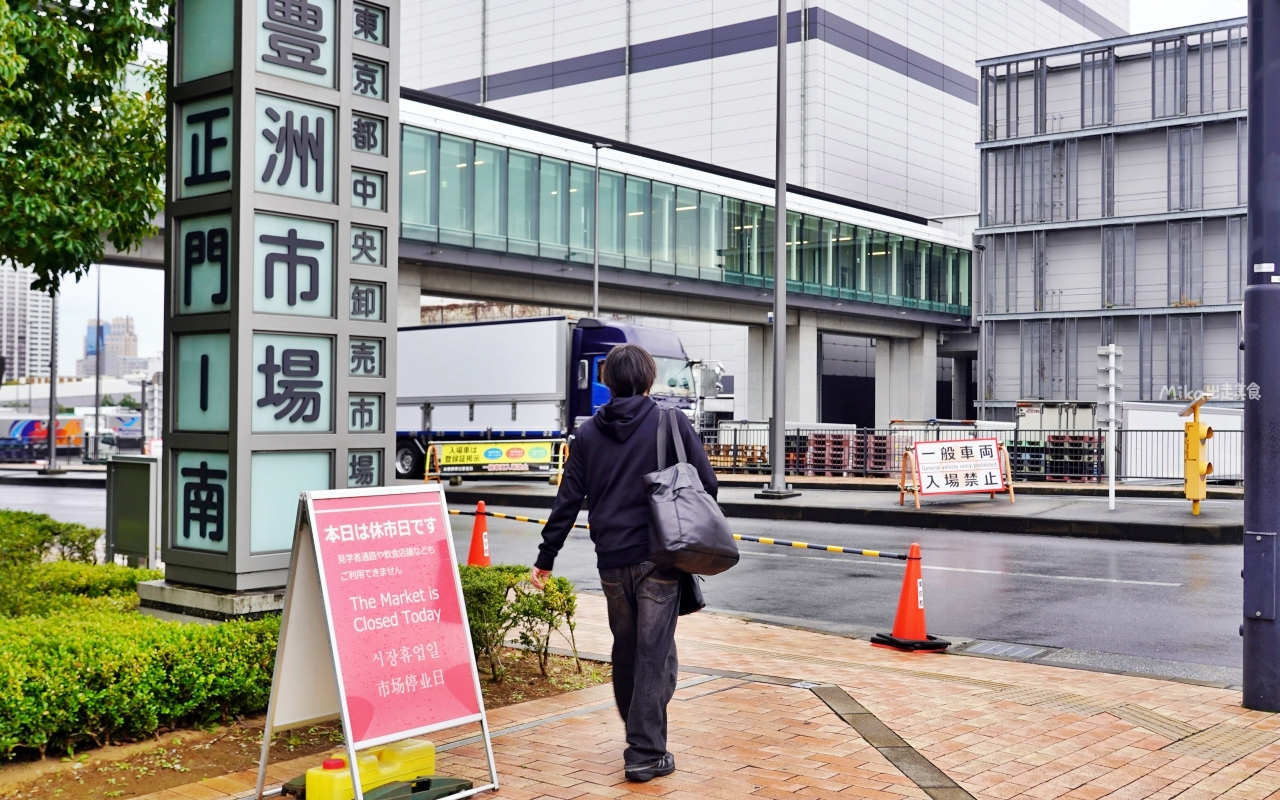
(52, 439)
(777, 488)
(595, 237)
(1261, 368)
(97, 370)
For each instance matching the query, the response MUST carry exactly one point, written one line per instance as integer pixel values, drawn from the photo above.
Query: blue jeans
(644, 605)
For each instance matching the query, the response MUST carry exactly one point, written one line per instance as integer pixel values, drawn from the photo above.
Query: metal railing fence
(1068, 455)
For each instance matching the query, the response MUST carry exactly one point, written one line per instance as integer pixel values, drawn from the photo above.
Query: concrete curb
(1161, 533)
(57, 481)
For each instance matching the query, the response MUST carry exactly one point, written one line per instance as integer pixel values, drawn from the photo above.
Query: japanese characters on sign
(364, 413)
(294, 150)
(204, 382)
(292, 383)
(366, 246)
(201, 507)
(367, 134)
(366, 358)
(369, 78)
(204, 267)
(366, 301)
(370, 23)
(204, 146)
(368, 190)
(295, 39)
(293, 266)
(464, 457)
(959, 466)
(398, 628)
(364, 468)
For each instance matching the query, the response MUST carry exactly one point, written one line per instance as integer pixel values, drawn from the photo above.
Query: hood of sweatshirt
(621, 416)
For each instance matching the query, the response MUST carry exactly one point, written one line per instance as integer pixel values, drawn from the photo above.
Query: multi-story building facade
(1113, 210)
(119, 348)
(26, 317)
(882, 93)
(883, 96)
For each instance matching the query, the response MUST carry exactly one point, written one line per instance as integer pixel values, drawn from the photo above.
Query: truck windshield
(674, 378)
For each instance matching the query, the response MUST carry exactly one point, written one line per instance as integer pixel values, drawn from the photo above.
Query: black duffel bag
(687, 529)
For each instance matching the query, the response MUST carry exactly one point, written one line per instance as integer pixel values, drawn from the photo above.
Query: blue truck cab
(592, 341)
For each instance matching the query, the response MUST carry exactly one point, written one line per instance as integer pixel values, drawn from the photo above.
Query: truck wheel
(408, 461)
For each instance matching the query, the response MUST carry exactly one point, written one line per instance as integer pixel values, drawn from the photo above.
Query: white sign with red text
(374, 628)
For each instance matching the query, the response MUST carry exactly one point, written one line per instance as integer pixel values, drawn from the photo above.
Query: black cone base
(931, 645)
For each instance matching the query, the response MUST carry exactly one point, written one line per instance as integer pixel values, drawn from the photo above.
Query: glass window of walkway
(462, 192)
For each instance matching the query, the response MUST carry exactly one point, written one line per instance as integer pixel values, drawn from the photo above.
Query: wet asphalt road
(1173, 602)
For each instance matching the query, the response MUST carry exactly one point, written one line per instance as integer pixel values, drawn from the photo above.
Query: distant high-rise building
(119, 348)
(25, 317)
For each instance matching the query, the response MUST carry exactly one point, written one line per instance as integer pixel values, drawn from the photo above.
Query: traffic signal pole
(1262, 364)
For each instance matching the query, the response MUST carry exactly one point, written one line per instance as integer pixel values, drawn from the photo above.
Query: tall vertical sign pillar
(1262, 365)
(282, 212)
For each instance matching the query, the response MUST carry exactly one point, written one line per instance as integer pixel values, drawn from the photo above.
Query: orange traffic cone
(908, 627)
(479, 555)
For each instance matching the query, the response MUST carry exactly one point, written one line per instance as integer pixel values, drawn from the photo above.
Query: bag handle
(667, 420)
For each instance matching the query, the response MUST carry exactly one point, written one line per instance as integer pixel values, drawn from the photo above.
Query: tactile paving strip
(1157, 723)
(1223, 742)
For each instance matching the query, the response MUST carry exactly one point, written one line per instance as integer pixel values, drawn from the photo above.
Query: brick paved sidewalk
(759, 714)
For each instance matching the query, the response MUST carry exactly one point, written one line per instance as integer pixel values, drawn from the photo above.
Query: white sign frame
(912, 475)
(306, 612)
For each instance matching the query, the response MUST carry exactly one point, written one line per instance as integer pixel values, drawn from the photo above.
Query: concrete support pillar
(907, 377)
(802, 370)
(960, 379)
(409, 297)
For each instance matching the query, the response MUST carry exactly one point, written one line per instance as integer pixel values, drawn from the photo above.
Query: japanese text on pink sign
(396, 615)
(959, 466)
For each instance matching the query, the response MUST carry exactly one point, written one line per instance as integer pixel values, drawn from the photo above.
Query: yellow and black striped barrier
(830, 548)
(517, 518)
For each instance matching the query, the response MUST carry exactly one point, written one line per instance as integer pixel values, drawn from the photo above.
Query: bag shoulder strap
(675, 435)
(662, 439)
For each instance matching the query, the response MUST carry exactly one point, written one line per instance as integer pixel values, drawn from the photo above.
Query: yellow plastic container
(400, 761)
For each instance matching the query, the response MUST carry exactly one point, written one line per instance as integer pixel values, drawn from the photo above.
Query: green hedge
(99, 676)
(26, 537)
(500, 600)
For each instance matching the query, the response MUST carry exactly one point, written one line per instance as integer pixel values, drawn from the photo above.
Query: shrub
(501, 599)
(26, 537)
(101, 676)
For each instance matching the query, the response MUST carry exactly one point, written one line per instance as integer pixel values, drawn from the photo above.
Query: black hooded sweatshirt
(608, 460)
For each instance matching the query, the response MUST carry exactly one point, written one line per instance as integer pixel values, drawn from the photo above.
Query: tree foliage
(81, 132)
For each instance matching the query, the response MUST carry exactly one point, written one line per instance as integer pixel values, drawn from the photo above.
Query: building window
(1185, 243)
(1119, 266)
(1097, 88)
(1237, 255)
(1108, 175)
(1184, 346)
(1040, 268)
(1168, 78)
(1186, 168)
(1242, 162)
(1049, 360)
(1001, 186)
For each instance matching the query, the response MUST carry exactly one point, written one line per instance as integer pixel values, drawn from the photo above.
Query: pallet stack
(831, 454)
(739, 456)
(1074, 457)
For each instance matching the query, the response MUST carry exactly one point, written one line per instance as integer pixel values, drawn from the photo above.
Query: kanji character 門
(361, 469)
(364, 133)
(297, 396)
(362, 413)
(203, 503)
(295, 39)
(198, 248)
(203, 173)
(295, 142)
(364, 358)
(292, 260)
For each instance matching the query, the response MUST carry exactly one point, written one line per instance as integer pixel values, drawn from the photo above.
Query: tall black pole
(1262, 364)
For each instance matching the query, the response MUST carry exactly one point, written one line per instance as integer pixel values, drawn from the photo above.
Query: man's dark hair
(629, 370)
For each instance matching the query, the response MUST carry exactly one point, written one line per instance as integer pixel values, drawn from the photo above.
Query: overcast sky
(1153, 15)
(126, 292)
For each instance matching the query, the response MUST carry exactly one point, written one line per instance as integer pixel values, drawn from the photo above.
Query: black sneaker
(647, 772)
